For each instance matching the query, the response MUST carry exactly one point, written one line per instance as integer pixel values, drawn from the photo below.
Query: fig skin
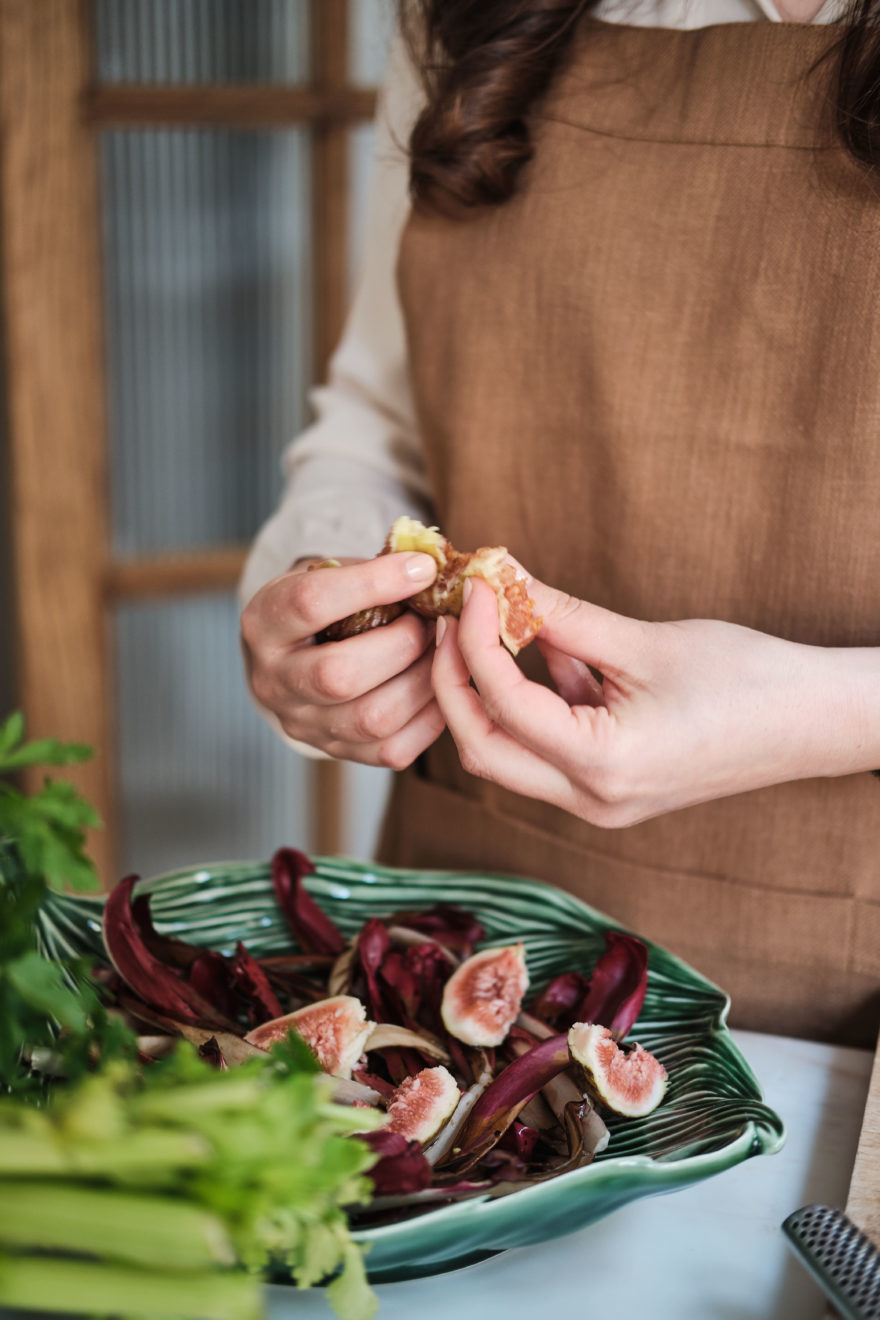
(629, 1082)
(482, 998)
(422, 1104)
(335, 1029)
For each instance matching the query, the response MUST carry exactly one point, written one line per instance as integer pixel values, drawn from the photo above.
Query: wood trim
(236, 105)
(175, 574)
(330, 182)
(53, 340)
(863, 1200)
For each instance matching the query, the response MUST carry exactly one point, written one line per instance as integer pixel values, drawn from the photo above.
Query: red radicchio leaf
(373, 951)
(252, 983)
(372, 947)
(431, 969)
(209, 977)
(452, 926)
(395, 973)
(521, 1139)
(559, 1002)
(502, 1100)
(618, 984)
(145, 974)
(401, 1166)
(171, 952)
(375, 1083)
(312, 929)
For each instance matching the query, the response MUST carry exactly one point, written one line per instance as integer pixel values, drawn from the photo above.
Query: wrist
(846, 710)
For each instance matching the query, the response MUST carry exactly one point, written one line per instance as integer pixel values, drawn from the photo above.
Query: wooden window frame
(67, 581)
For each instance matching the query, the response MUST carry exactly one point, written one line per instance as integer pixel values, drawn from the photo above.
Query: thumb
(609, 642)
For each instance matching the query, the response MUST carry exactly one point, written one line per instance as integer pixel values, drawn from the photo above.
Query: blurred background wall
(215, 282)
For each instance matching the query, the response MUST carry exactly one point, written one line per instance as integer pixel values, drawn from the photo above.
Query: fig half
(422, 1104)
(336, 1030)
(628, 1081)
(483, 995)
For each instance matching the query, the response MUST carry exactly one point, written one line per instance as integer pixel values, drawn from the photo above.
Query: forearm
(842, 707)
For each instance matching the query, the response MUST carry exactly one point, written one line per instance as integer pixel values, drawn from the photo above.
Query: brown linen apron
(655, 376)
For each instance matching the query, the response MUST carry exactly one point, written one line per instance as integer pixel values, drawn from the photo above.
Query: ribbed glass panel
(360, 167)
(370, 32)
(208, 294)
(203, 777)
(186, 41)
(207, 256)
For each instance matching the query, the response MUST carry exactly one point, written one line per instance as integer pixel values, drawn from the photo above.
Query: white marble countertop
(714, 1251)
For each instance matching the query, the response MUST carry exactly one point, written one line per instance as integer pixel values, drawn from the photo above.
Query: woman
(638, 301)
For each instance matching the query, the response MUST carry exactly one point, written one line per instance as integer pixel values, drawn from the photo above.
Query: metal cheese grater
(844, 1262)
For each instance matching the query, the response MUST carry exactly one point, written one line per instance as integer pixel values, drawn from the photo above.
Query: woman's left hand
(686, 712)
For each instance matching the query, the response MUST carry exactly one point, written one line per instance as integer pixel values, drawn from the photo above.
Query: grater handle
(843, 1261)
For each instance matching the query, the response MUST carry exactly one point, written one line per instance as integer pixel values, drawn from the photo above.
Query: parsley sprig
(48, 827)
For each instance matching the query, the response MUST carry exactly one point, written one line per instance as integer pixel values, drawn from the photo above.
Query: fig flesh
(422, 1104)
(336, 1030)
(628, 1081)
(483, 995)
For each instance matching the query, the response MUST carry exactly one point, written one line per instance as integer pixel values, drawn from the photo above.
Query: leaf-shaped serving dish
(712, 1118)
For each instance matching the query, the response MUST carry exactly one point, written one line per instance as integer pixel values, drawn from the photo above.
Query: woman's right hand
(366, 699)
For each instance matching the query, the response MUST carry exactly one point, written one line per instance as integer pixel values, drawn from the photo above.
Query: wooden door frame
(66, 579)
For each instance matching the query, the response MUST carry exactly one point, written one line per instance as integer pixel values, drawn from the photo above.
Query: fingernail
(466, 590)
(440, 630)
(420, 567)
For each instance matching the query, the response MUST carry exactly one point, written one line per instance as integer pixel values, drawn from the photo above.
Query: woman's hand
(366, 699)
(686, 712)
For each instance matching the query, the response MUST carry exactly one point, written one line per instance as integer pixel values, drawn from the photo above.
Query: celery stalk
(44, 1283)
(145, 1230)
(148, 1154)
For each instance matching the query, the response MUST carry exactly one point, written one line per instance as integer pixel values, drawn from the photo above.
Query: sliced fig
(422, 1104)
(335, 1029)
(482, 997)
(628, 1081)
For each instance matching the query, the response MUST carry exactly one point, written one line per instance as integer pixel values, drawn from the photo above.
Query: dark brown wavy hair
(484, 63)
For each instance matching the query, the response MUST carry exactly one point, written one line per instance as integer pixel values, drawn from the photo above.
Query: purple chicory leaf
(384, 1088)
(373, 944)
(522, 1139)
(170, 951)
(311, 927)
(500, 1103)
(558, 1002)
(209, 977)
(618, 985)
(157, 985)
(401, 1166)
(452, 926)
(252, 984)
(396, 974)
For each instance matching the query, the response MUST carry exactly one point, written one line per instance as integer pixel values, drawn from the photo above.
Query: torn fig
(517, 624)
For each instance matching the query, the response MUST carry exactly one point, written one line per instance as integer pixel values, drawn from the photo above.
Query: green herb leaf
(49, 826)
(41, 985)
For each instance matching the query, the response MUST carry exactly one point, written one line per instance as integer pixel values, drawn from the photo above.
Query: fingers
(339, 672)
(301, 603)
(538, 719)
(400, 748)
(574, 680)
(388, 722)
(485, 748)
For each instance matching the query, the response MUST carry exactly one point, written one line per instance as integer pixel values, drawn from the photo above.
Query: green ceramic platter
(712, 1118)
